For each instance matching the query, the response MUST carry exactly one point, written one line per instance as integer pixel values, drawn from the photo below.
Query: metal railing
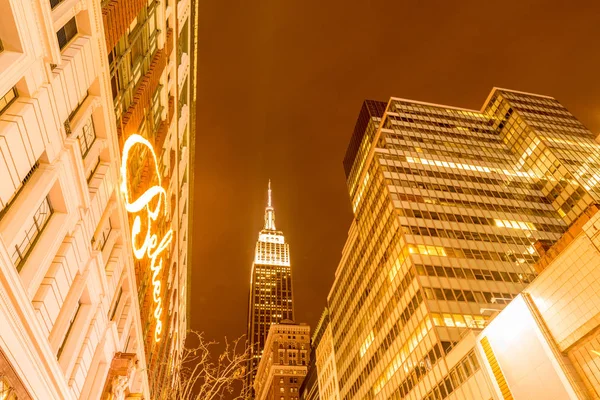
(67, 123)
(23, 182)
(32, 233)
(113, 311)
(87, 137)
(89, 179)
(104, 236)
(8, 98)
(64, 342)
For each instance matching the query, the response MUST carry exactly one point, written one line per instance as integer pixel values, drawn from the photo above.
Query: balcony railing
(93, 171)
(23, 182)
(8, 98)
(71, 322)
(32, 233)
(104, 236)
(87, 137)
(67, 124)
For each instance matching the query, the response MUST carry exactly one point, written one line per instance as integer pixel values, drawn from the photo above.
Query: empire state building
(270, 299)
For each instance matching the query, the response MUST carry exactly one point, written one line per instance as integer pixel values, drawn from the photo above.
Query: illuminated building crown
(271, 246)
(269, 213)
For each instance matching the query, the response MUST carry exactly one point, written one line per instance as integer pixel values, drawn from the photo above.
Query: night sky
(280, 86)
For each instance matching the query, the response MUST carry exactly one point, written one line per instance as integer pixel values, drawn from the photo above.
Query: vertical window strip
(498, 375)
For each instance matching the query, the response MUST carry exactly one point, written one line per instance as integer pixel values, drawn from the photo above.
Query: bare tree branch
(195, 375)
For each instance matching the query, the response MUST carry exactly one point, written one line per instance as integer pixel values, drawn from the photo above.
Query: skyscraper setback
(270, 299)
(450, 208)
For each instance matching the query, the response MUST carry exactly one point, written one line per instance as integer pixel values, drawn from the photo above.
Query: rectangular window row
(453, 155)
(443, 251)
(447, 294)
(457, 376)
(459, 320)
(447, 119)
(440, 139)
(478, 205)
(512, 182)
(464, 235)
(475, 133)
(473, 273)
(472, 191)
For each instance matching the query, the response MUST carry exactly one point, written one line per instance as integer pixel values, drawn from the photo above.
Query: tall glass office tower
(271, 299)
(451, 206)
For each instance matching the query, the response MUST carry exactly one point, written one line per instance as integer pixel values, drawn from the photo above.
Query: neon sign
(151, 204)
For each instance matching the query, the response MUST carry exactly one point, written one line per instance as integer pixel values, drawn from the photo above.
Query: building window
(156, 110)
(66, 33)
(71, 322)
(54, 3)
(32, 233)
(8, 98)
(87, 137)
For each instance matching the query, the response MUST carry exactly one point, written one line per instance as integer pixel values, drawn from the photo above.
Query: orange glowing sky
(281, 83)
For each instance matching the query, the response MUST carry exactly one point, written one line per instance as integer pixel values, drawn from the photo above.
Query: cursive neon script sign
(150, 205)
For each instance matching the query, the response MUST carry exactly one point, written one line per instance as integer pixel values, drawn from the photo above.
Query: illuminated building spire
(270, 283)
(269, 213)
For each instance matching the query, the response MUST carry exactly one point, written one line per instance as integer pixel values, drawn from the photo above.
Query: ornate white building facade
(72, 319)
